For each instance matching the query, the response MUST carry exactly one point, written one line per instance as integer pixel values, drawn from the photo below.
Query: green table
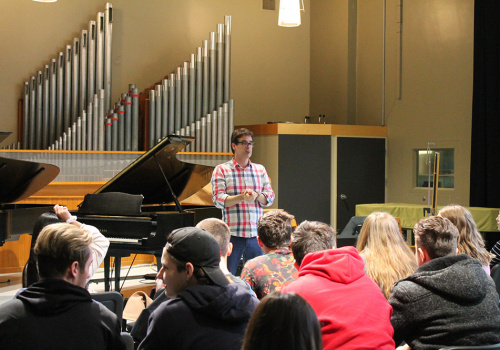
(409, 214)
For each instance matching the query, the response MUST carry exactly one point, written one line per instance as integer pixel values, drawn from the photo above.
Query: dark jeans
(246, 247)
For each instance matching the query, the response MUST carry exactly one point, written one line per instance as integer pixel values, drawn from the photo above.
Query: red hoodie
(352, 311)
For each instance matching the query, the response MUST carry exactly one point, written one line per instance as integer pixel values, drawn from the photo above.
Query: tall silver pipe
(114, 129)
(60, 96)
(199, 83)
(101, 120)
(120, 115)
(152, 120)
(75, 80)
(135, 119)
(72, 132)
(178, 98)
(95, 124)
(108, 134)
(220, 65)
(108, 34)
(185, 95)
(128, 123)
(198, 136)
(225, 128)
(99, 54)
(208, 119)
(220, 129)
(203, 135)
(231, 121)
(65, 140)
(90, 127)
(45, 107)
(212, 53)
(53, 102)
(206, 79)
(78, 134)
(171, 104)
(32, 116)
(83, 70)
(39, 108)
(192, 88)
(164, 108)
(91, 44)
(227, 59)
(214, 131)
(26, 111)
(158, 110)
(67, 88)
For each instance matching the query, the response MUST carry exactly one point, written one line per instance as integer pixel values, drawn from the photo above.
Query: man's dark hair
(275, 229)
(237, 133)
(198, 272)
(437, 235)
(311, 236)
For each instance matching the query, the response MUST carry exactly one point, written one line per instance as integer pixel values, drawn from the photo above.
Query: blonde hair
(58, 246)
(387, 256)
(220, 231)
(470, 241)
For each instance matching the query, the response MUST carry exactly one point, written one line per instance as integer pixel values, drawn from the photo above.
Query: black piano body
(20, 179)
(163, 182)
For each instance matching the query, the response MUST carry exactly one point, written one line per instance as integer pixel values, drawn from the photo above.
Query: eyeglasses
(246, 143)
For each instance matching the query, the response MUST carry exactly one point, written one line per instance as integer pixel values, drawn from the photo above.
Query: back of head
(387, 256)
(311, 236)
(275, 229)
(437, 235)
(58, 246)
(219, 230)
(470, 241)
(293, 322)
(43, 220)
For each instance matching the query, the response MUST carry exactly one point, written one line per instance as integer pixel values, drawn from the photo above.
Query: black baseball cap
(197, 246)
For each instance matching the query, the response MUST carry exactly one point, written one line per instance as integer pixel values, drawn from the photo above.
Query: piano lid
(145, 177)
(20, 179)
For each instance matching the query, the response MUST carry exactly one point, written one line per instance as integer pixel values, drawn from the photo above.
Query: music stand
(350, 233)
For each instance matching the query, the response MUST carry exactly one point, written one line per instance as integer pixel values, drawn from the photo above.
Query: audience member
(496, 248)
(351, 309)
(205, 311)
(274, 270)
(58, 312)
(449, 300)
(470, 241)
(100, 244)
(241, 189)
(221, 233)
(283, 321)
(387, 256)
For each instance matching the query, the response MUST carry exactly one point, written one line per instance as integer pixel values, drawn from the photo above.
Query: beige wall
(436, 82)
(270, 64)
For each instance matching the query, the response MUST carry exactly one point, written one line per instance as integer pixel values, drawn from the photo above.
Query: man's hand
(62, 212)
(249, 196)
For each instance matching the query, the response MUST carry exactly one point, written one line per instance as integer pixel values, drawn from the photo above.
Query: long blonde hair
(470, 241)
(387, 256)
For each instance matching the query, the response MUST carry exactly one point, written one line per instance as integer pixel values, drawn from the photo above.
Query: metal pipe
(171, 104)
(208, 119)
(108, 34)
(32, 116)
(185, 95)
(135, 119)
(120, 116)
(72, 132)
(26, 111)
(45, 107)
(220, 64)
(128, 123)
(220, 129)
(198, 135)
(213, 74)
(227, 59)
(90, 127)
(199, 83)
(152, 120)
(203, 135)
(158, 109)
(99, 54)
(65, 141)
(60, 97)
(192, 88)
(108, 132)
(39, 116)
(114, 135)
(206, 79)
(225, 128)
(75, 79)
(83, 70)
(178, 98)
(91, 44)
(52, 103)
(101, 120)
(164, 108)
(78, 134)
(95, 123)
(67, 88)
(214, 131)
(231, 122)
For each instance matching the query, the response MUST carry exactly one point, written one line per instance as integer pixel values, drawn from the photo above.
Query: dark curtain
(485, 149)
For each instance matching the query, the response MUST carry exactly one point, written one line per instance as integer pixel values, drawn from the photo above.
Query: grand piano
(140, 206)
(20, 179)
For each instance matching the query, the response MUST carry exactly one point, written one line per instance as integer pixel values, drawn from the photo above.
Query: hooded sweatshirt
(352, 311)
(201, 317)
(55, 314)
(447, 301)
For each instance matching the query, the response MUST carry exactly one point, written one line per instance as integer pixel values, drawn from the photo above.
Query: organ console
(154, 184)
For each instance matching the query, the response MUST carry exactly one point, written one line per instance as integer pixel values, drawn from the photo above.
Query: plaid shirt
(230, 179)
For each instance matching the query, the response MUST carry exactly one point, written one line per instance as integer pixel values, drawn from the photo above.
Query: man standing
(241, 189)
(352, 311)
(58, 312)
(205, 311)
(270, 272)
(450, 300)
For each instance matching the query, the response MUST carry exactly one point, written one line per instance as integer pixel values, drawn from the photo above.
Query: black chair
(474, 347)
(495, 274)
(112, 300)
(350, 233)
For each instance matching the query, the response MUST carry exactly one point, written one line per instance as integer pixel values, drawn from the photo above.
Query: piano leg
(106, 272)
